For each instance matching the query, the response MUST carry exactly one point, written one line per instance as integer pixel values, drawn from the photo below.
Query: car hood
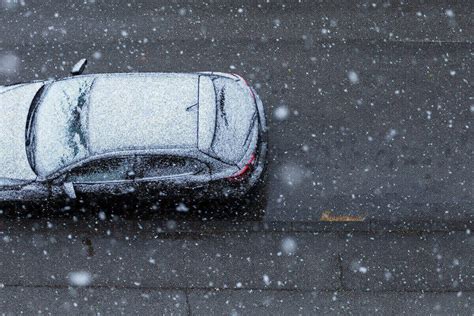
(14, 106)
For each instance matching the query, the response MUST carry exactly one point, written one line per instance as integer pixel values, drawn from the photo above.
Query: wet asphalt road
(370, 108)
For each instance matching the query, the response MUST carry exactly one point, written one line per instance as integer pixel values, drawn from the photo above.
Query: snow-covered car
(149, 134)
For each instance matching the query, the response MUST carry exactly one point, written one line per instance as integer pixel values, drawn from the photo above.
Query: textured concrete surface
(370, 111)
(394, 144)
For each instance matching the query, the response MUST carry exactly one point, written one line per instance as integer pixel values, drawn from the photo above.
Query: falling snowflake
(363, 270)
(97, 55)
(80, 278)
(353, 77)
(182, 208)
(9, 63)
(288, 246)
(266, 280)
(281, 113)
(449, 13)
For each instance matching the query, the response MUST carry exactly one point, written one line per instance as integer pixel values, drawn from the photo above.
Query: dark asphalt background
(370, 108)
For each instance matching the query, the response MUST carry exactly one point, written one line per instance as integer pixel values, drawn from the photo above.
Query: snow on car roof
(87, 115)
(59, 135)
(143, 111)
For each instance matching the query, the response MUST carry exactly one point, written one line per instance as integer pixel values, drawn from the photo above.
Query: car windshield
(56, 136)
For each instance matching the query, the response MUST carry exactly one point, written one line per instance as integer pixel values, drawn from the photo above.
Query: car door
(167, 175)
(103, 177)
(15, 190)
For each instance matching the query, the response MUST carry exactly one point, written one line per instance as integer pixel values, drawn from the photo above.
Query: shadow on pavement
(248, 208)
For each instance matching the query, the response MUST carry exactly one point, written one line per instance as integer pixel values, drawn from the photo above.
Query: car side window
(167, 166)
(102, 170)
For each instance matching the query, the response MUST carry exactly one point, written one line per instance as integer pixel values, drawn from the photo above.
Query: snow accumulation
(106, 113)
(141, 112)
(8, 182)
(60, 133)
(235, 116)
(14, 107)
(95, 114)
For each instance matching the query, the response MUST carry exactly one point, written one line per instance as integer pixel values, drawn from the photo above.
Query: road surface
(370, 109)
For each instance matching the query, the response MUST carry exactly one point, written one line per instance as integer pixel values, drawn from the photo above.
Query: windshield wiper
(29, 131)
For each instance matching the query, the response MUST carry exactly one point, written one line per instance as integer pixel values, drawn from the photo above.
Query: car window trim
(138, 177)
(84, 162)
(200, 156)
(126, 181)
(166, 177)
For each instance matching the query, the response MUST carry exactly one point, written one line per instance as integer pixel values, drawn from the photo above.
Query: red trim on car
(246, 83)
(243, 173)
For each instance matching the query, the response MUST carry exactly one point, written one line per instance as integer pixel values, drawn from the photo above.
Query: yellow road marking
(328, 216)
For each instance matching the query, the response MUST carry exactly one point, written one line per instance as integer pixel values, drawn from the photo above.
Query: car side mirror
(79, 67)
(68, 188)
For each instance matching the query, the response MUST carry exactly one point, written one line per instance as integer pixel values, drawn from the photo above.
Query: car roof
(143, 111)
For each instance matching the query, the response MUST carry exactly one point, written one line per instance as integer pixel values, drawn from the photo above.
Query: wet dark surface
(370, 111)
(395, 143)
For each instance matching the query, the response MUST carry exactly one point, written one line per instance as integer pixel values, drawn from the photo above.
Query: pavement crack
(186, 295)
(187, 290)
(341, 271)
